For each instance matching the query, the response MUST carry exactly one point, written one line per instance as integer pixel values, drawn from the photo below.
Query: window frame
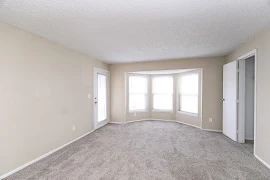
(198, 72)
(152, 94)
(146, 95)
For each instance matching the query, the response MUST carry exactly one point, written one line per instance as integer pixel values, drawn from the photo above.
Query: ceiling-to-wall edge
(236, 54)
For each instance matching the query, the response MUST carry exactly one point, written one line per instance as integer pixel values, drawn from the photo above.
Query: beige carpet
(149, 150)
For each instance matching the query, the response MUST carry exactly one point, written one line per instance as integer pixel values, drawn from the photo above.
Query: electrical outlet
(135, 114)
(89, 96)
(73, 128)
(210, 120)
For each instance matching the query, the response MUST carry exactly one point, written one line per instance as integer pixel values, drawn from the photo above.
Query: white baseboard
(212, 130)
(262, 161)
(130, 121)
(137, 120)
(41, 157)
(116, 122)
(176, 122)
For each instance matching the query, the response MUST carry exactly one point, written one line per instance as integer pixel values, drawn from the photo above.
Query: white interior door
(230, 87)
(101, 97)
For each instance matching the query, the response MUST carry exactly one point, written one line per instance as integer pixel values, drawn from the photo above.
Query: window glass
(162, 88)
(189, 103)
(188, 92)
(162, 102)
(163, 85)
(102, 95)
(189, 84)
(137, 84)
(137, 93)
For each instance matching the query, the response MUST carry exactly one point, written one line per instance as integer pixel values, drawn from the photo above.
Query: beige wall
(262, 44)
(43, 92)
(211, 90)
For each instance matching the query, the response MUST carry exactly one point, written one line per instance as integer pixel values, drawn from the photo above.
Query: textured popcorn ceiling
(141, 30)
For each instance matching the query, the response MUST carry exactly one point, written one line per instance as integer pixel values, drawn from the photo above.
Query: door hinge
(237, 132)
(237, 101)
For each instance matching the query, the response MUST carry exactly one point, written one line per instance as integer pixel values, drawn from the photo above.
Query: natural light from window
(102, 101)
(162, 88)
(137, 93)
(188, 92)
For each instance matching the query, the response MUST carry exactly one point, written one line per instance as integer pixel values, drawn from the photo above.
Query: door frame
(241, 113)
(95, 72)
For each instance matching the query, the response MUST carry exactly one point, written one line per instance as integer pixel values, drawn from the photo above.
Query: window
(162, 88)
(189, 92)
(137, 93)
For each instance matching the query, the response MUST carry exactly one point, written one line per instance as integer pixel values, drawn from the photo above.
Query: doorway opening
(249, 88)
(247, 101)
(239, 100)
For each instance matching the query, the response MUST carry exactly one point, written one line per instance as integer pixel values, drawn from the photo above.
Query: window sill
(188, 113)
(138, 111)
(160, 110)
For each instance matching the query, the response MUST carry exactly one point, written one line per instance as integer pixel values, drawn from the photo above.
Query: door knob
(223, 99)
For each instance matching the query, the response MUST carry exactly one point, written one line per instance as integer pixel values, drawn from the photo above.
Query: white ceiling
(141, 30)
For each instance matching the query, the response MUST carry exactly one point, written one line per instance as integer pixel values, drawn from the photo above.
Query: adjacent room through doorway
(249, 100)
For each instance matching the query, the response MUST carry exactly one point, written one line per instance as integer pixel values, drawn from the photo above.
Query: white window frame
(147, 93)
(179, 93)
(152, 84)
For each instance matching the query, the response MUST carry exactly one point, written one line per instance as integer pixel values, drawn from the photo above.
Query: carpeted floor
(149, 150)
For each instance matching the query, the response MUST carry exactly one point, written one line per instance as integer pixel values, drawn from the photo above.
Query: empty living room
(135, 90)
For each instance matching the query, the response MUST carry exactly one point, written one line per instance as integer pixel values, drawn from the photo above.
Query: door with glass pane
(101, 89)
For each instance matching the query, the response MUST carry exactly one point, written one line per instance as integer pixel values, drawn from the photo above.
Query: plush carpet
(149, 150)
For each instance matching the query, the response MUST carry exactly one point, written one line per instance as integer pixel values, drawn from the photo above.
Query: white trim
(162, 110)
(136, 121)
(262, 161)
(249, 54)
(138, 111)
(41, 157)
(242, 101)
(177, 122)
(163, 71)
(116, 122)
(99, 69)
(139, 120)
(212, 130)
(246, 56)
(188, 113)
